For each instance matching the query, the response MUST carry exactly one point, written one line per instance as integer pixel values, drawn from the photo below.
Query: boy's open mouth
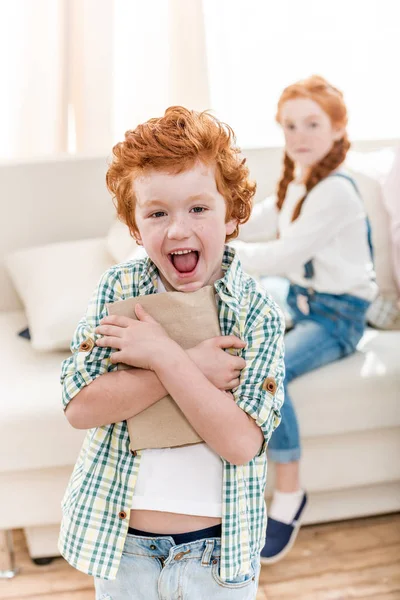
(184, 261)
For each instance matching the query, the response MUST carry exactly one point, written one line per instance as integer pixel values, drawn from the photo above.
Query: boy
(190, 519)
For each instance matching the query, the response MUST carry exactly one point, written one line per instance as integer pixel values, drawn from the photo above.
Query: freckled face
(181, 223)
(309, 134)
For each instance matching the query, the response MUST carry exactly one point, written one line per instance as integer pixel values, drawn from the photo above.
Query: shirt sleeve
(329, 207)
(89, 361)
(263, 223)
(260, 392)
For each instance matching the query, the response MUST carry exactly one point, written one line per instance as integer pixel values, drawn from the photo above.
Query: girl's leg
(308, 346)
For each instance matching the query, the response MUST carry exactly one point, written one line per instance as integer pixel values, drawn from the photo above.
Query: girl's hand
(221, 368)
(138, 343)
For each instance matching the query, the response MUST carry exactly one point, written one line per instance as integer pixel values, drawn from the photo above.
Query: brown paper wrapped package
(188, 318)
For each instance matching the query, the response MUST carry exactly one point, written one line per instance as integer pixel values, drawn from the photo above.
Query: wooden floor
(339, 561)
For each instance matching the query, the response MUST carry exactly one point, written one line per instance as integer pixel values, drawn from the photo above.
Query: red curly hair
(331, 101)
(174, 143)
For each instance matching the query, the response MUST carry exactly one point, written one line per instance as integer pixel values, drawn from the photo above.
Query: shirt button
(86, 345)
(122, 514)
(269, 385)
(180, 555)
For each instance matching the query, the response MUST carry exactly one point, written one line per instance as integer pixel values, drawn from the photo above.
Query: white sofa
(349, 411)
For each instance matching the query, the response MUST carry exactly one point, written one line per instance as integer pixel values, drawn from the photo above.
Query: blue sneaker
(280, 537)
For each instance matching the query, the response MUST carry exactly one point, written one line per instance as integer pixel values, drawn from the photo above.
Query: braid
(322, 169)
(287, 177)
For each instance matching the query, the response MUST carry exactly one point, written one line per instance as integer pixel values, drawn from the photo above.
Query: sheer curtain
(130, 60)
(257, 48)
(33, 93)
(56, 71)
(159, 60)
(76, 74)
(90, 65)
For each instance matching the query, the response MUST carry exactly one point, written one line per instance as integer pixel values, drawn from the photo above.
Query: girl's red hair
(331, 101)
(174, 143)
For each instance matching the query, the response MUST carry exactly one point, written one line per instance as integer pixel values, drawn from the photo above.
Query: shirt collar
(148, 278)
(232, 282)
(233, 279)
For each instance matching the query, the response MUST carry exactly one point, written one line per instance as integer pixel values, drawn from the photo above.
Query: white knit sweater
(331, 230)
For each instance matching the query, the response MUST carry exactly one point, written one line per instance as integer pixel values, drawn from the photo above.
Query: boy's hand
(138, 342)
(221, 368)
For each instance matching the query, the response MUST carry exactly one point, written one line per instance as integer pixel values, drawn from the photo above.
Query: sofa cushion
(348, 460)
(55, 283)
(34, 433)
(356, 393)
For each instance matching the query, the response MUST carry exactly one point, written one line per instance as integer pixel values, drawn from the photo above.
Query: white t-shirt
(185, 480)
(331, 230)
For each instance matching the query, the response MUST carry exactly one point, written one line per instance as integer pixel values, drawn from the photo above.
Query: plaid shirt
(98, 498)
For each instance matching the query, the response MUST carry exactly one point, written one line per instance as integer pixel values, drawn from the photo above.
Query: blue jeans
(154, 568)
(330, 331)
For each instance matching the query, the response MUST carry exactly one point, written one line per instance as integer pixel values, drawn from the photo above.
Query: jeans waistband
(182, 538)
(357, 301)
(165, 548)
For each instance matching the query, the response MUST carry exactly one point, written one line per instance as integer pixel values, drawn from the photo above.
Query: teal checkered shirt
(100, 491)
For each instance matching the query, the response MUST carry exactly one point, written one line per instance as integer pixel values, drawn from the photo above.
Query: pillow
(55, 283)
(369, 169)
(391, 196)
(384, 313)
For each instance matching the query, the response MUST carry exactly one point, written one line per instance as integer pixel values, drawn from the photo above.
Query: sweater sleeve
(329, 207)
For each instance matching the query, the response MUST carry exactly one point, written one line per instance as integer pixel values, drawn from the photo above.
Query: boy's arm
(224, 424)
(261, 391)
(87, 362)
(119, 395)
(114, 397)
(213, 414)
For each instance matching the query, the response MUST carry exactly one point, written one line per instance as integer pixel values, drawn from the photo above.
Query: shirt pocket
(247, 581)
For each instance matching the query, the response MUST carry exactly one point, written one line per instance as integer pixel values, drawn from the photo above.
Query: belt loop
(208, 550)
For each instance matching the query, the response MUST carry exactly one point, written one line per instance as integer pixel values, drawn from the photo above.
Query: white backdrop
(256, 48)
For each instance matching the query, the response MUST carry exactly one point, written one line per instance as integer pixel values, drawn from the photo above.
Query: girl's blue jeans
(330, 331)
(154, 568)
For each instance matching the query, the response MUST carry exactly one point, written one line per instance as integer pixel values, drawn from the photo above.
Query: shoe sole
(287, 548)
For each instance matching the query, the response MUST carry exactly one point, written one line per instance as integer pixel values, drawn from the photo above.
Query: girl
(315, 234)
